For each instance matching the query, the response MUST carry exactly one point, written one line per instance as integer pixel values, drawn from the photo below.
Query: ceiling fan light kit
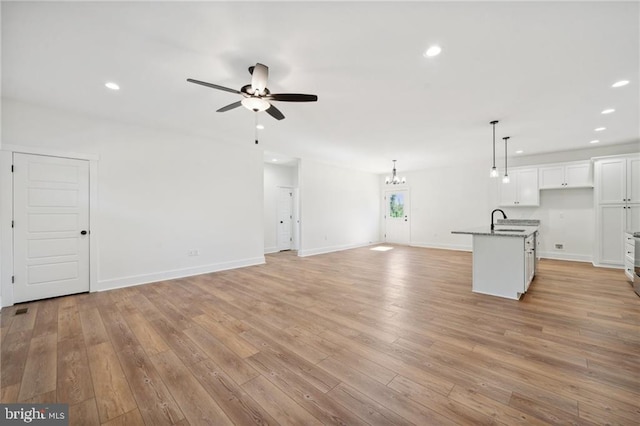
(256, 96)
(255, 104)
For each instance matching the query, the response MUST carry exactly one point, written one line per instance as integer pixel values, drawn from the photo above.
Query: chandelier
(394, 179)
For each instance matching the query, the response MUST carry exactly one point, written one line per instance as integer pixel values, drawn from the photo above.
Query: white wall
(275, 176)
(448, 199)
(566, 217)
(159, 194)
(340, 208)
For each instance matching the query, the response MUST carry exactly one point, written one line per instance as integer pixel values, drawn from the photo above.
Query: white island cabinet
(504, 260)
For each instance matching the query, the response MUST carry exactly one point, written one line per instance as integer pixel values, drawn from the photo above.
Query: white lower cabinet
(503, 266)
(629, 255)
(529, 260)
(611, 227)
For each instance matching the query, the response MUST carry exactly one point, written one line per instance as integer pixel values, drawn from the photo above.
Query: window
(396, 205)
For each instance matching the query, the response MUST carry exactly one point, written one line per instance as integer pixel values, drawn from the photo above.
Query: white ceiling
(544, 69)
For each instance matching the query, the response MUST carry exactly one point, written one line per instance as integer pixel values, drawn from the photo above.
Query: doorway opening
(281, 204)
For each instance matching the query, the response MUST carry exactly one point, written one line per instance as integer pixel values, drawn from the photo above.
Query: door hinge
(290, 239)
(13, 279)
(12, 224)
(12, 168)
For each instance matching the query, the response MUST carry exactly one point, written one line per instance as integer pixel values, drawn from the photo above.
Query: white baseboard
(456, 247)
(609, 265)
(566, 256)
(268, 250)
(176, 273)
(324, 250)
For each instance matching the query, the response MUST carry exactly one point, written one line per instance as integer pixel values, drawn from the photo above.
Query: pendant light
(494, 171)
(505, 179)
(394, 179)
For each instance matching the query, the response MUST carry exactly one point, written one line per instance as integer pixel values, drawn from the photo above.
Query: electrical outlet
(193, 252)
(559, 246)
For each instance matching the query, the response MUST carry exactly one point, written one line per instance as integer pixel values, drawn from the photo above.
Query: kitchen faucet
(504, 216)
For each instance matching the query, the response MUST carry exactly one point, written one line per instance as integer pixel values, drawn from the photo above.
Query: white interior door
(285, 218)
(397, 220)
(51, 226)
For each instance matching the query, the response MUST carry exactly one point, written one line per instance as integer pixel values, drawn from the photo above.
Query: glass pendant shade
(494, 172)
(505, 179)
(255, 104)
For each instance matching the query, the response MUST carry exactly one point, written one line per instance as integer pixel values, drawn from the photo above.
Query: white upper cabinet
(522, 190)
(612, 181)
(633, 180)
(568, 175)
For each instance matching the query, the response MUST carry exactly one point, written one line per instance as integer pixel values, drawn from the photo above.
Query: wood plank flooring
(350, 338)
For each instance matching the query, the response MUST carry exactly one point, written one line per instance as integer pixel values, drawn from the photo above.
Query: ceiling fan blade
(259, 77)
(230, 106)
(292, 97)
(275, 113)
(213, 86)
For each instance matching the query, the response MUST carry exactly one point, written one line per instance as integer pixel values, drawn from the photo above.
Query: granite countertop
(486, 230)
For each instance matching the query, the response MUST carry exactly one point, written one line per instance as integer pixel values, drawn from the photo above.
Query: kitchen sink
(509, 230)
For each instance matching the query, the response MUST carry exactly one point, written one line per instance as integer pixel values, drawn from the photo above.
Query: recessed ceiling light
(595, 141)
(608, 111)
(274, 160)
(111, 85)
(433, 51)
(519, 151)
(259, 126)
(599, 129)
(620, 83)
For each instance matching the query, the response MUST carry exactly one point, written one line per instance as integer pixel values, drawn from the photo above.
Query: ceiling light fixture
(594, 141)
(608, 111)
(620, 83)
(433, 51)
(599, 129)
(259, 126)
(494, 171)
(519, 151)
(274, 160)
(505, 178)
(394, 179)
(255, 104)
(111, 85)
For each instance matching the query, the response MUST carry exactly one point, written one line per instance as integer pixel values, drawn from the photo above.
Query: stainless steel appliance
(636, 264)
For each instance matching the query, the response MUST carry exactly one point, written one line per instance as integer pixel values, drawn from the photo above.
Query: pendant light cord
(255, 128)
(505, 154)
(493, 123)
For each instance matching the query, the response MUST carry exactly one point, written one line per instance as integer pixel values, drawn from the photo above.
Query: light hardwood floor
(355, 337)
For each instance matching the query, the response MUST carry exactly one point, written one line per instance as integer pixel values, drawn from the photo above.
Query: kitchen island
(504, 259)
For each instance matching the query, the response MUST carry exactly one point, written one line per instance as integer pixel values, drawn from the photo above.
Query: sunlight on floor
(381, 248)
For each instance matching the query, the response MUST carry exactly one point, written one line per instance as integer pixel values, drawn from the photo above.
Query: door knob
(83, 232)
(281, 222)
